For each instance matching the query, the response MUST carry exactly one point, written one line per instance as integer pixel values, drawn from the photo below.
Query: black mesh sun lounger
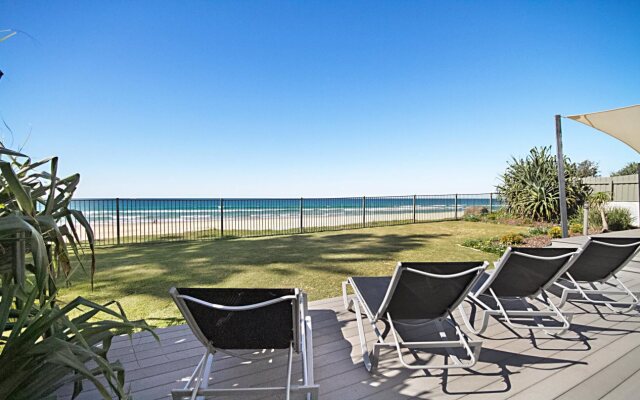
(600, 260)
(416, 294)
(521, 274)
(233, 321)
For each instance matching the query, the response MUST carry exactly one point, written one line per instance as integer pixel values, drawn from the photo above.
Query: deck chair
(232, 321)
(416, 294)
(522, 274)
(599, 262)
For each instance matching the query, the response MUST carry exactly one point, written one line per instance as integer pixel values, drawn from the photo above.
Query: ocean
(158, 209)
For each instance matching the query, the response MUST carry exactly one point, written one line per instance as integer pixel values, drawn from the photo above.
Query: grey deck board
(628, 389)
(624, 363)
(599, 358)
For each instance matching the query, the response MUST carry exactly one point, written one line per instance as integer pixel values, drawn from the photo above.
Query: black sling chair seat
(231, 321)
(417, 293)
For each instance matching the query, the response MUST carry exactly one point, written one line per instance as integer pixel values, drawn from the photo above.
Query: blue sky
(314, 98)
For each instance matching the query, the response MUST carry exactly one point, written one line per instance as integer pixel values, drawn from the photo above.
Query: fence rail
(620, 188)
(119, 221)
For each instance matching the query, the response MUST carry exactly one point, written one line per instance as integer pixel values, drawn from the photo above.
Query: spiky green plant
(530, 186)
(45, 344)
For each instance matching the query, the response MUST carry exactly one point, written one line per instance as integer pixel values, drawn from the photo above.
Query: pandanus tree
(46, 343)
(530, 186)
(598, 201)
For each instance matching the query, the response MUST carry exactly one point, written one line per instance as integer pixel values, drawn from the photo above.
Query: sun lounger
(416, 294)
(600, 260)
(522, 274)
(233, 321)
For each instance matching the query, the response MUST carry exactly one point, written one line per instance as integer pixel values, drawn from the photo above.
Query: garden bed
(536, 237)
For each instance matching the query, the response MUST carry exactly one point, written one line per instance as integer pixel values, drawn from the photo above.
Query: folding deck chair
(417, 294)
(231, 321)
(522, 273)
(600, 260)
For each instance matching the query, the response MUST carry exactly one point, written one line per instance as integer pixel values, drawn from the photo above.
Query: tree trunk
(605, 225)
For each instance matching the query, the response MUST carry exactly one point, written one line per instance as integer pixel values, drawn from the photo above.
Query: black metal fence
(119, 221)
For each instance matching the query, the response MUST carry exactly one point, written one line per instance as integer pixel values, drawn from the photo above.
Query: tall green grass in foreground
(139, 276)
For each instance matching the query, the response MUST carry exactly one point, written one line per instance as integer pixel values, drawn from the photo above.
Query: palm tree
(598, 201)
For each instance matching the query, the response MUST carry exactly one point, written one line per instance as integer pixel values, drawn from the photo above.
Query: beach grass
(140, 275)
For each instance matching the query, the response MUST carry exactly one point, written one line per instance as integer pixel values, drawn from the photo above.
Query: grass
(139, 276)
(232, 233)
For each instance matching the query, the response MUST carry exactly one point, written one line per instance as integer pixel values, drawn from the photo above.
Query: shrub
(538, 230)
(595, 220)
(476, 210)
(492, 216)
(511, 239)
(486, 245)
(530, 186)
(619, 219)
(471, 218)
(576, 228)
(555, 232)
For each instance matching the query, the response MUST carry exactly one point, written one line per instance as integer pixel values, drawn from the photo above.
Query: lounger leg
(194, 375)
(467, 320)
(565, 294)
(306, 346)
(464, 340)
(554, 312)
(634, 299)
(577, 289)
(345, 297)
(564, 317)
(205, 375)
(197, 376)
(363, 340)
(289, 365)
(471, 348)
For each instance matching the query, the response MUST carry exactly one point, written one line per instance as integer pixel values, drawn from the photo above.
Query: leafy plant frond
(530, 186)
(47, 343)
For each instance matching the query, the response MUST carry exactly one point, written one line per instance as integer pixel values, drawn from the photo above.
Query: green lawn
(139, 276)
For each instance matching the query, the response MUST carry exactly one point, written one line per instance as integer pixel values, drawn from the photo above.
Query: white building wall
(632, 206)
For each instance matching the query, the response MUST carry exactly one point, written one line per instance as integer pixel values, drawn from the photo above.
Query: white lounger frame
(197, 385)
(552, 311)
(619, 287)
(371, 358)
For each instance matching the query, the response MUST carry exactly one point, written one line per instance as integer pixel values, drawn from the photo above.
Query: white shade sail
(621, 123)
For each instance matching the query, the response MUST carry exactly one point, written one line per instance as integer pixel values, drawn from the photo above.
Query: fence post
(221, 217)
(585, 219)
(117, 220)
(490, 202)
(456, 207)
(364, 211)
(301, 215)
(414, 208)
(611, 190)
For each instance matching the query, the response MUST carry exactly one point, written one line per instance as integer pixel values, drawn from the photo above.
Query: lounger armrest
(447, 276)
(546, 258)
(595, 240)
(237, 308)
